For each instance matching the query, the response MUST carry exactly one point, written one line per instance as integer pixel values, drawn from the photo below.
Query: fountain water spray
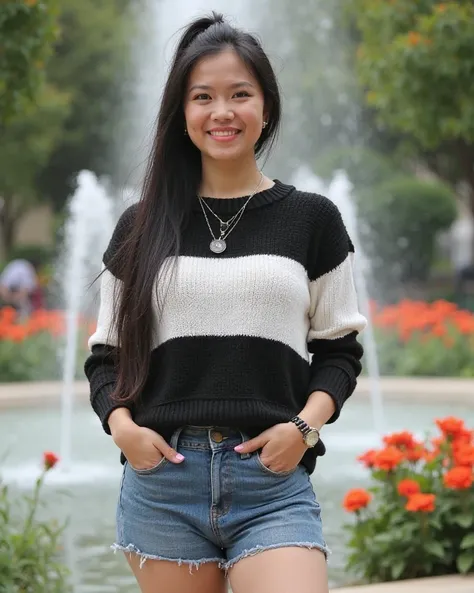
(88, 229)
(339, 192)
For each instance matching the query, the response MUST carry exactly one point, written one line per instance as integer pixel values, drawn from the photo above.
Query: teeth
(224, 133)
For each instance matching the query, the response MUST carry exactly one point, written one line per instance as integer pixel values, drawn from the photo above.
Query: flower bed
(417, 519)
(30, 350)
(424, 339)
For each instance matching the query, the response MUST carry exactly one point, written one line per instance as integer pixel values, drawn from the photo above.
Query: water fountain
(339, 191)
(88, 229)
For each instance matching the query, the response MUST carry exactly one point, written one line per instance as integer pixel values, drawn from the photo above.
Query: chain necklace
(218, 244)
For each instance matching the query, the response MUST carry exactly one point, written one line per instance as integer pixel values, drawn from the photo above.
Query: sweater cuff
(336, 382)
(104, 405)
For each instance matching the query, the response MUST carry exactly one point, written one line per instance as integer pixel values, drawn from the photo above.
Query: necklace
(218, 244)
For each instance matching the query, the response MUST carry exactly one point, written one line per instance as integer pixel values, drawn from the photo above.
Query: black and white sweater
(233, 346)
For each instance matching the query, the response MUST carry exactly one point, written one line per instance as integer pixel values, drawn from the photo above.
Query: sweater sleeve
(101, 365)
(335, 320)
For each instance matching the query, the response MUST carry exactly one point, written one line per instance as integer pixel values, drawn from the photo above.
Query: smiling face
(224, 107)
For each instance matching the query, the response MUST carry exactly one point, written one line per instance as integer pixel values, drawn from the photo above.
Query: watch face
(311, 438)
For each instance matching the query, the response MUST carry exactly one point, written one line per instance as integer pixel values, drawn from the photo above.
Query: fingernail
(179, 457)
(238, 448)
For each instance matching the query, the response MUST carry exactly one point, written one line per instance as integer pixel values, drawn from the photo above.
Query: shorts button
(217, 436)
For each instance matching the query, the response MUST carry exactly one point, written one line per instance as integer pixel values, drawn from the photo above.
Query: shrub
(415, 338)
(29, 549)
(30, 349)
(417, 519)
(402, 218)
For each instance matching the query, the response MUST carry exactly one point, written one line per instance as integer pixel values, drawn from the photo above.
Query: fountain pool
(87, 493)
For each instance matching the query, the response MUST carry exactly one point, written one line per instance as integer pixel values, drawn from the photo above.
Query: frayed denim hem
(258, 549)
(131, 549)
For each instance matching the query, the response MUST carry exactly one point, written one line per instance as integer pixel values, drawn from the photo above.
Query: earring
(265, 124)
(185, 132)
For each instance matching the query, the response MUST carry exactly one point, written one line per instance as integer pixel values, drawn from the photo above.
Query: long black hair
(170, 187)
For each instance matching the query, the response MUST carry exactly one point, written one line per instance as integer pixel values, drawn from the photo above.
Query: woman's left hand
(282, 447)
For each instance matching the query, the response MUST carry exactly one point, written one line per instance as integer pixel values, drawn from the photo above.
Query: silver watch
(310, 434)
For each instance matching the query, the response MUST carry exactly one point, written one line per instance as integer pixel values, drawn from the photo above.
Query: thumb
(167, 451)
(251, 445)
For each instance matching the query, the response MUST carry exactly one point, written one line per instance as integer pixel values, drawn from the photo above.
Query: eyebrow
(206, 87)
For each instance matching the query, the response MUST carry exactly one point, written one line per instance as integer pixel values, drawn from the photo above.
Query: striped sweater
(247, 335)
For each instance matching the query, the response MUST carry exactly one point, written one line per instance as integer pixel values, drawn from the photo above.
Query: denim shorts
(216, 506)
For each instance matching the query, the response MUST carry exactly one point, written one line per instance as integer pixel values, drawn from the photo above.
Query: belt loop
(244, 438)
(175, 438)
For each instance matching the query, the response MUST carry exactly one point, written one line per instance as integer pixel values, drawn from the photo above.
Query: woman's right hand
(143, 448)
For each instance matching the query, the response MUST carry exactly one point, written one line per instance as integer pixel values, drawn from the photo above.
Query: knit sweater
(245, 336)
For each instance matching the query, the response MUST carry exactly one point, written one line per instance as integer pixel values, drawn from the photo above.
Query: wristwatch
(310, 434)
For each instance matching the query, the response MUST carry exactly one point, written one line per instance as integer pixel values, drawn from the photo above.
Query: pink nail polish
(179, 457)
(238, 448)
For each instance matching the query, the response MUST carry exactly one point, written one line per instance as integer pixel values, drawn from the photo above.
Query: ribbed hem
(104, 405)
(336, 382)
(243, 412)
(232, 205)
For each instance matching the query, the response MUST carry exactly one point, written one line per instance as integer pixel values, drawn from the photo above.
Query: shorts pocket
(152, 470)
(267, 470)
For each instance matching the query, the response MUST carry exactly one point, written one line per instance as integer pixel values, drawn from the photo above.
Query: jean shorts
(216, 506)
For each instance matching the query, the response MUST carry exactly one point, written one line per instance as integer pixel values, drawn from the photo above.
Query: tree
(91, 64)
(26, 146)
(416, 62)
(27, 32)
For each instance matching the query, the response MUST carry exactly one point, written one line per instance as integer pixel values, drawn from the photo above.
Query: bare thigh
(282, 570)
(162, 576)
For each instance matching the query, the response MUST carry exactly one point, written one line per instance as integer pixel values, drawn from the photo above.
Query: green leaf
(464, 520)
(467, 541)
(397, 569)
(465, 562)
(436, 549)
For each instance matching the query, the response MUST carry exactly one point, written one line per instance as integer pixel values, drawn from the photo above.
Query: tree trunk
(8, 224)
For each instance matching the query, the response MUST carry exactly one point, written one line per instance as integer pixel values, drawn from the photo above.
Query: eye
(202, 97)
(241, 94)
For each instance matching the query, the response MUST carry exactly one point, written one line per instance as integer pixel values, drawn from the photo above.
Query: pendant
(218, 246)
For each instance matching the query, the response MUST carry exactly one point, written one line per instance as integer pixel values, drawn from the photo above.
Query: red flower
(458, 478)
(421, 503)
(367, 458)
(49, 460)
(388, 459)
(402, 440)
(356, 499)
(408, 488)
(451, 426)
(463, 455)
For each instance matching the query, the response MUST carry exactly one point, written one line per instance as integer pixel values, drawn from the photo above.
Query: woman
(216, 287)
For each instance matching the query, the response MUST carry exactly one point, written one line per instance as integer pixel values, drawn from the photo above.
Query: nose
(222, 113)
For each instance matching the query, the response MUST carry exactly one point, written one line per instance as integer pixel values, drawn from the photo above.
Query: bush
(402, 218)
(417, 519)
(424, 339)
(29, 549)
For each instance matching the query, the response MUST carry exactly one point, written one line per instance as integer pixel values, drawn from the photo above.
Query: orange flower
(408, 488)
(458, 478)
(414, 38)
(402, 440)
(367, 458)
(451, 426)
(421, 503)
(49, 460)
(463, 454)
(388, 459)
(356, 499)
(415, 454)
